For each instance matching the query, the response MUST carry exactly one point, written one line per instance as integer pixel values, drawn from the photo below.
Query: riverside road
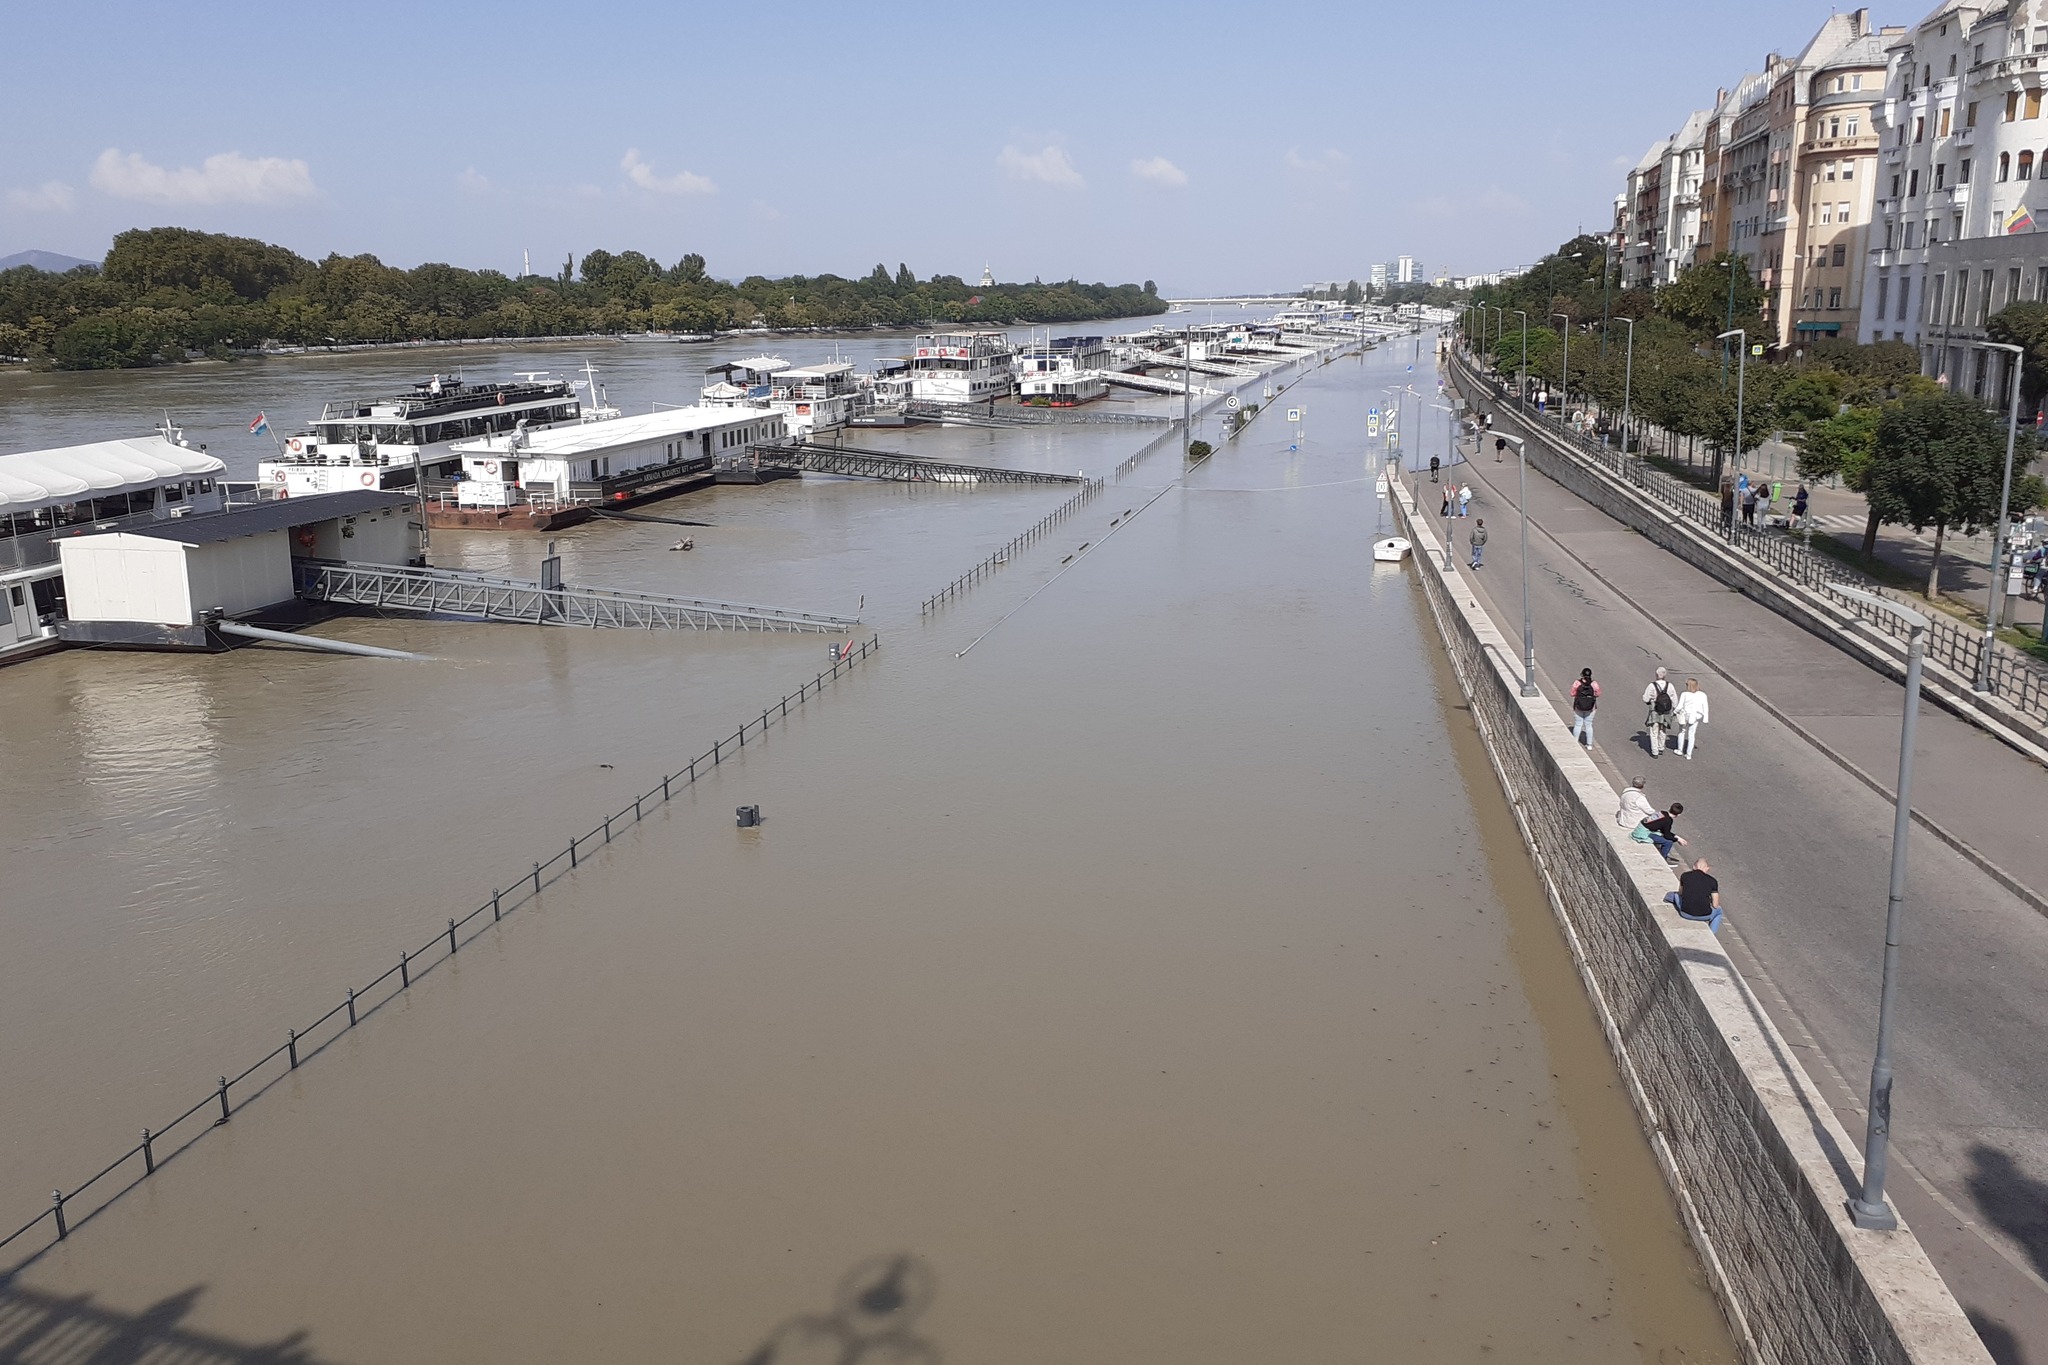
(1801, 847)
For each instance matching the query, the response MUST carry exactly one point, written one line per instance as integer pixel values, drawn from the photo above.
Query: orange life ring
(307, 536)
(490, 466)
(296, 446)
(369, 480)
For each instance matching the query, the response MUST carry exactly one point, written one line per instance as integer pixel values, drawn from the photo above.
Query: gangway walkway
(1019, 415)
(446, 592)
(889, 464)
(1153, 385)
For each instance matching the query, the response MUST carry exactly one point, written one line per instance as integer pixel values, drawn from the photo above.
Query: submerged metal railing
(852, 462)
(446, 592)
(2016, 679)
(219, 1104)
(1016, 543)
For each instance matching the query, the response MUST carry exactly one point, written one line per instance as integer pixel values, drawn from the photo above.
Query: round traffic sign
(1232, 403)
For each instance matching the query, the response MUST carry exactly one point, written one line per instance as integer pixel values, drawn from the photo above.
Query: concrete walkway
(1801, 848)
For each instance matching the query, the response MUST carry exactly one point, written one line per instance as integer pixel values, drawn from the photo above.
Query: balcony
(1863, 142)
(1892, 156)
(1954, 196)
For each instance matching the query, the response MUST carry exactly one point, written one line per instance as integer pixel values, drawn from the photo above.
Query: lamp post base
(1873, 1217)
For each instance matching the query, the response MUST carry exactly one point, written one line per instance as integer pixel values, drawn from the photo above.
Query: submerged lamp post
(1996, 607)
(1868, 1209)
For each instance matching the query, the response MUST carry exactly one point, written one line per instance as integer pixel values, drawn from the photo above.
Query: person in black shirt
(1698, 896)
(1661, 833)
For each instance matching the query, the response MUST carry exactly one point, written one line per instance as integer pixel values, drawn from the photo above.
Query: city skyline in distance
(1165, 144)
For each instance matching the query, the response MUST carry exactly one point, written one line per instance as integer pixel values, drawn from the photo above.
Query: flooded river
(1137, 963)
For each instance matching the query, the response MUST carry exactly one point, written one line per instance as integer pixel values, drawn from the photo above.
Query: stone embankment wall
(1760, 1167)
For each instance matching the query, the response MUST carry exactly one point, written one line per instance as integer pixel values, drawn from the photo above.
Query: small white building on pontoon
(602, 462)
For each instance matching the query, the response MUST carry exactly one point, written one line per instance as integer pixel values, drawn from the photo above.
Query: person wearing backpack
(1585, 700)
(1660, 706)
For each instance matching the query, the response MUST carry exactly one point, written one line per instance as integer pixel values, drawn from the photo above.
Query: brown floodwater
(1160, 979)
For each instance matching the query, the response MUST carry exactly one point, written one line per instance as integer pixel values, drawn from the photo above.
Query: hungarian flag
(260, 425)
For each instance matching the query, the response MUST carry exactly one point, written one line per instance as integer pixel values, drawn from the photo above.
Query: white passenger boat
(382, 442)
(811, 399)
(962, 367)
(1063, 372)
(1390, 549)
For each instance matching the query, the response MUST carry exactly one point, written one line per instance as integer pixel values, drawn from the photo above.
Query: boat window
(172, 493)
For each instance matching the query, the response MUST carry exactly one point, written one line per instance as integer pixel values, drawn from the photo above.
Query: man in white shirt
(1660, 706)
(1635, 805)
(1691, 715)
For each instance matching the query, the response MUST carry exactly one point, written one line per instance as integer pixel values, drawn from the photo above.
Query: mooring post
(57, 1202)
(291, 1046)
(494, 907)
(451, 938)
(693, 770)
(715, 746)
(572, 851)
(536, 879)
(636, 810)
(351, 1006)
(607, 829)
(148, 1154)
(223, 1103)
(664, 786)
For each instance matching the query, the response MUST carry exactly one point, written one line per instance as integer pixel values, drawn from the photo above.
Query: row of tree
(166, 294)
(1921, 455)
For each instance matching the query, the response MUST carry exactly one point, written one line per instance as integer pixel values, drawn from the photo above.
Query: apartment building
(1963, 144)
(1833, 154)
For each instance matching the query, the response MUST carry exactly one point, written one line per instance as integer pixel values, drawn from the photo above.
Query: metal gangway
(448, 592)
(1150, 384)
(1010, 417)
(889, 464)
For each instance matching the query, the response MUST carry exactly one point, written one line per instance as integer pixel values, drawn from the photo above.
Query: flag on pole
(2020, 221)
(260, 425)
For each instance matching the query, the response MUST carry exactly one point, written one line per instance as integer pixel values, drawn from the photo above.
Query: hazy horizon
(1182, 144)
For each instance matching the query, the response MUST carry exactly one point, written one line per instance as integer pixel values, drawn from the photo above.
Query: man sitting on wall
(1698, 896)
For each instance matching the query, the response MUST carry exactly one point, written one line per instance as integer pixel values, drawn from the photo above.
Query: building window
(2027, 165)
(2040, 283)
(1984, 300)
(1884, 284)
(2012, 105)
(1834, 300)
(1912, 184)
(1895, 187)
(1940, 174)
(1827, 213)
(1919, 129)
(1841, 256)
(1946, 110)
(1828, 171)
(1855, 83)
(1905, 294)
(1963, 171)
(1934, 297)
(2012, 285)
(2034, 102)
(2004, 166)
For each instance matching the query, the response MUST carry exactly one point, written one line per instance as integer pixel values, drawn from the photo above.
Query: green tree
(1843, 446)
(904, 279)
(1698, 299)
(690, 269)
(2025, 324)
(1939, 461)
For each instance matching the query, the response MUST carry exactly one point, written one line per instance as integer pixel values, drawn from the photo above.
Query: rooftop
(279, 515)
(66, 474)
(587, 437)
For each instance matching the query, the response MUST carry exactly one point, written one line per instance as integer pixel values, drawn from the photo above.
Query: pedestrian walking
(1635, 806)
(1660, 829)
(1479, 542)
(1690, 716)
(1435, 463)
(1500, 449)
(1465, 501)
(1585, 701)
(1660, 706)
(1728, 506)
(1445, 510)
(1799, 501)
(1742, 484)
(1749, 506)
(1698, 897)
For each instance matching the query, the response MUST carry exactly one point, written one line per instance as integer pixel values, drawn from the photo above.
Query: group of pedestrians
(1698, 896)
(1457, 500)
(1670, 716)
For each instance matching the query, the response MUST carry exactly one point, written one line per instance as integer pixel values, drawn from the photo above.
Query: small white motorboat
(1390, 550)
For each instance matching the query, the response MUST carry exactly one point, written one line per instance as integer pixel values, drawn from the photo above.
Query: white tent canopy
(36, 479)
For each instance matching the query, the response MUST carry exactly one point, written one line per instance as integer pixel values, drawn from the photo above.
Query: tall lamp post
(1741, 377)
(1996, 606)
(1528, 622)
(1628, 374)
(1522, 375)
(1868, 1209)
(1564, 384)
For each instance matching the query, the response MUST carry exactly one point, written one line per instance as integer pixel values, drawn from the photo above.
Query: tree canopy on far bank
(164, 294)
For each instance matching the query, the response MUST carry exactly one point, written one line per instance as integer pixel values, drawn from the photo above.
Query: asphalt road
(1802, 852)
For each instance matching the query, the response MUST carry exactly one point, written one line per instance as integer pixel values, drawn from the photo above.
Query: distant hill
(43, 260)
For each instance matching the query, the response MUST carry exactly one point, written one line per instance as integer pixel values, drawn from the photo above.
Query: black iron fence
(2015, 679)
(230, 1093)
(1016, 543)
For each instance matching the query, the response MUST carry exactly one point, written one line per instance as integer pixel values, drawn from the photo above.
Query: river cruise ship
(811, 399)
(1063, 372)
(379, 444)
(962, 367)
(543, 479)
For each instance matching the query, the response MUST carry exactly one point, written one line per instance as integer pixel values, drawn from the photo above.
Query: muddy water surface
(1160, 980)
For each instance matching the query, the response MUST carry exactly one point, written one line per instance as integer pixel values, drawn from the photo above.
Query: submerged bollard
(224, 1115)
(57, 1202)
(494, 907)
(572, 851)
(291, 1046)
(451, 938)
(404, 971)
(148, 1154)
(351, 1006)
(607, 829)
(536, 879)
(664, 786)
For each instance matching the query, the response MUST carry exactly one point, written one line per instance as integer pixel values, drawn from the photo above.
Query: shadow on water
(872, 1315)
(54, 1329)
(2014, 1202)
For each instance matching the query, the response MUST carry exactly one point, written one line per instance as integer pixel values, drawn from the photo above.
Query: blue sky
(1207, 146)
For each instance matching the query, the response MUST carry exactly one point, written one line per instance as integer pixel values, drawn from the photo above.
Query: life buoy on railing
(490, 466)
(369, 480)
(296, 446)
(307, 536)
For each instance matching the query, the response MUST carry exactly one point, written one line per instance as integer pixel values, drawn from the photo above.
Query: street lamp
(1628, 374)
(1869, 1210)
(1997, 604)
(1741, 375)
(1522, 375)
(1528, 622)
(1564, 384)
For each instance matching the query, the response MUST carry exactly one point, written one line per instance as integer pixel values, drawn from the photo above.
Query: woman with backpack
(1585, 700)
(1660, 705)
